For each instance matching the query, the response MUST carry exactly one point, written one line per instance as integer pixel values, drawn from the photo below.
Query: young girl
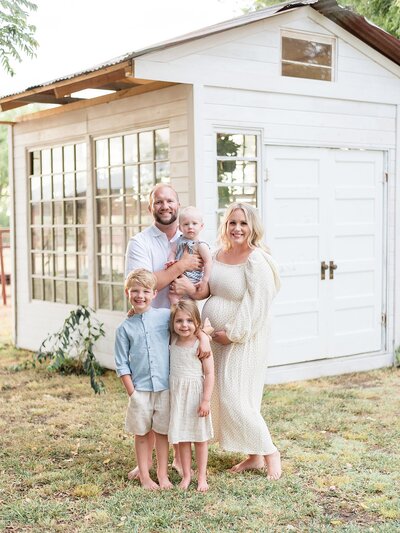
(191, 382)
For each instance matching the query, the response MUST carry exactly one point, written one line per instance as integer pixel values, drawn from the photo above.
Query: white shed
(294, 108)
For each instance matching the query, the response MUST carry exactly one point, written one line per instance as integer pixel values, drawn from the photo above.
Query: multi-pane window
(236, 169)
(58, 218)
(126, 168)
(307, 56)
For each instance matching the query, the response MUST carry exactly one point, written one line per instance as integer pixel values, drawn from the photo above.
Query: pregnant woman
(243, 283)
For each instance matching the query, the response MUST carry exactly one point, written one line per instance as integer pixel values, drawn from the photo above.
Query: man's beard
(174, 216)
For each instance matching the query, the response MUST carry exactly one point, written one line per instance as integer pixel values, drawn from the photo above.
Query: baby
(190, 224)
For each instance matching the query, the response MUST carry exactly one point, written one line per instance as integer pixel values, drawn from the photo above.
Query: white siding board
(242, 51)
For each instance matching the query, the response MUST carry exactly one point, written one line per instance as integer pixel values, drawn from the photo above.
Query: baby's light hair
(187, 306)
(190, 210)
(143, 277)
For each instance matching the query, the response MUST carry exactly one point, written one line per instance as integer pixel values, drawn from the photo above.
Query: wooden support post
(3, 274)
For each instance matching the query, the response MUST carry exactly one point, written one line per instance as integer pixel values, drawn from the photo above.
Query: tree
(383, 13)
(16, 34)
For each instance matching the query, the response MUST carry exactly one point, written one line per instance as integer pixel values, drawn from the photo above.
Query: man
(150, 249)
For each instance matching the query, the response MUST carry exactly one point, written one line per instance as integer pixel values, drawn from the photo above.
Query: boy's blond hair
(143, 277)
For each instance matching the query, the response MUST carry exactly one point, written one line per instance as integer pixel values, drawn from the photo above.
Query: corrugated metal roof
(380, 40)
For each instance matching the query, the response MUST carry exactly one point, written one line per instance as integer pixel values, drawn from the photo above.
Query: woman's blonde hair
(255, 238)
(187, 306)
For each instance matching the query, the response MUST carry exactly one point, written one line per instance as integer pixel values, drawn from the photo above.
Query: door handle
(332, 267)
(324, 267)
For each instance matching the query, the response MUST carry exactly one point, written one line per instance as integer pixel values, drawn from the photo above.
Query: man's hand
(191, 261)
(182, 286)
(220, 337)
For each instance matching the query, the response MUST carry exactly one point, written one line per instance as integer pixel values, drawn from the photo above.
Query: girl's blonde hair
(255, 238)
(187, 306)
(143, 277)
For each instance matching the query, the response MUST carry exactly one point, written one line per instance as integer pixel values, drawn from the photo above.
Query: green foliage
(397, 357)
(70, 350)
(383, 13)
(16, 34)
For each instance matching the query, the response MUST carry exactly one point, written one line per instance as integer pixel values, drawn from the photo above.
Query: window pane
(48, 290)
(36, 238)
(237, 171)
(102, 211)
(70, 266)
(117, 214)
(46, 187)
(102, 153)
(131, 180)
(146, 176)
(35, 214)
(70, 240)
(80, 156)
(35, 189)
(130, 148)
(46, 161)
(305, 51)
(48, 269)
(46, 212)
(118, 268)
(116, 180)
(82, 241)
(162, 172)
(83, 294)
(69, 212)
(304, 71)
(103, 236)
(37, 292)
(162, 143)
(229, 145)
(58, 213)
(250, 146)
(116, 151)
(146, 145)
(102, 182)
(71, 293)
(69, 184)
(35, 163)
(118, 298)
(59, 270)
(118, 242)
(69, 160)
(60, 291)
(131, 210)
(145, 218)
(81, 184)
(47, 239)
(227, 195)
(104, 297)
(59, 239)
(37, 267)
(81, 212)
(82, 266)
(57, 161)
(57, 186)
(104, 268)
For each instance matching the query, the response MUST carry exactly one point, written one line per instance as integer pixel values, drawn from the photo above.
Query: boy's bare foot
(253, 462)
(134, 474)
(202, 485)
(165, 483)
(184, 484)
(149, 484)
(273, 465)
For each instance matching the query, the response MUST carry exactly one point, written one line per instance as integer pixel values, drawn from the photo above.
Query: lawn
(64, 460)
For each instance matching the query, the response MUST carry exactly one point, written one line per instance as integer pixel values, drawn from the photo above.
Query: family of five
(179, 392)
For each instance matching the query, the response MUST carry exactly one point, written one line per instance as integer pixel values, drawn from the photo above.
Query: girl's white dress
(186, 383)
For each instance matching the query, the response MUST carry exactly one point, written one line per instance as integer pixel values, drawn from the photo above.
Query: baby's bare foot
(273, 464)
(253, 462)
(134, 474)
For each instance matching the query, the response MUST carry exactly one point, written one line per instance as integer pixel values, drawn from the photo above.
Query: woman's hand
(220, 337)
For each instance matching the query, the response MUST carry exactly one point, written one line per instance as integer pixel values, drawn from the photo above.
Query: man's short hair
(143, 277)
(161, 186)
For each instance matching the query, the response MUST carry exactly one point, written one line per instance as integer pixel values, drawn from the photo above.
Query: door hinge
(383, 319)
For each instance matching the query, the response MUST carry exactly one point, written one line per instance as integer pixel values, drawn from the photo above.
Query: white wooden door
(324, 206)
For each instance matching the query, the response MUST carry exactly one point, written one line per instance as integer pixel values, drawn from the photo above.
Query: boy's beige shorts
(146, 411)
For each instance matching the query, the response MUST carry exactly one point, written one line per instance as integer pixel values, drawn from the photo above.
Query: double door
(324, 223)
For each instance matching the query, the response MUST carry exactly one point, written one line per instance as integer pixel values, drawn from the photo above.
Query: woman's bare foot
(184, 484)
(253, 462)
(165, 483)
(273, 465)
(149, 484)
(202, 485)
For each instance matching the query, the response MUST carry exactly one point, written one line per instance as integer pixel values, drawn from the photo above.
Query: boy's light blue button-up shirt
(142, 349)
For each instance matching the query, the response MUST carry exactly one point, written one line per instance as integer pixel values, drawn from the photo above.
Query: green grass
(64, 460)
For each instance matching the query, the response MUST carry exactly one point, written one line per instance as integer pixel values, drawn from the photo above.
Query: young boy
(142, 363)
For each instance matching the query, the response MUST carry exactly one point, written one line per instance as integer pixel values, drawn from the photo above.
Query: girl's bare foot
(253, 462)
(165, 483)
(178, 467)
(184, 484)
(202, 485)
(149, 484)
(273, 465)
